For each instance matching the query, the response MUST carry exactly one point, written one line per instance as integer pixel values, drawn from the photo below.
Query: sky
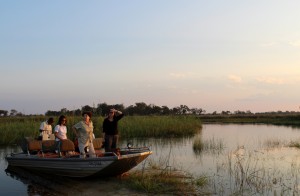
(215, 55)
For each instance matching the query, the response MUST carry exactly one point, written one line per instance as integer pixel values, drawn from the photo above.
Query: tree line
(102, 109)
(141, 108)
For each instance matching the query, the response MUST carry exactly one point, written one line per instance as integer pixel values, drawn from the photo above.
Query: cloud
(295, 43)
(235, 78)
(181, 75)
(270, 80)
(269, 44)
(177, 75)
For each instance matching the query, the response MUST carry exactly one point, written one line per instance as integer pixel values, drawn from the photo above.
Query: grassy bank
(274, 119)
(12, 129)
(163, 179)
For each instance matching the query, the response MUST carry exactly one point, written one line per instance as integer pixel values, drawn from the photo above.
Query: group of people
(84, 131)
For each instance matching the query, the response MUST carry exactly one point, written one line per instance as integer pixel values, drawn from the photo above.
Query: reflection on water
(228, 151)
(41, 184)
(37, 184)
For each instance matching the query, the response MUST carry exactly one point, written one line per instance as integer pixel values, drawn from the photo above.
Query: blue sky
(215, 55)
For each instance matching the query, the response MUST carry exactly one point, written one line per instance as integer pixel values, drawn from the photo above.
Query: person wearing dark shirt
(110, 129)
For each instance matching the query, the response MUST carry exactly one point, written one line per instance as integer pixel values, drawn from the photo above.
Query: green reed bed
(159, 126)
(213, 145)
(12, 129)
(163, 179)
(274, 119)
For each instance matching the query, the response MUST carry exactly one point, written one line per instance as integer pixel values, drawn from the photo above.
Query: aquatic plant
(211, 145)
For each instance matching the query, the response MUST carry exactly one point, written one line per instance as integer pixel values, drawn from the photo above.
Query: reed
(164, 180)
(12, 129)
(294, 144)
(292, 120)
(212, 145)
(159, 126)
(250, 173)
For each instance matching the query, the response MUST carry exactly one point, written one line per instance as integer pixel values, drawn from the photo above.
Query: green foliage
(161, 181)
(294, 144)
(274, 119)
(201, 181)
(159, 126)
(215, 146)
(14, 129)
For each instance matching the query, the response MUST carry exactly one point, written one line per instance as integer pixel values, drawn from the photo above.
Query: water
(260, 149)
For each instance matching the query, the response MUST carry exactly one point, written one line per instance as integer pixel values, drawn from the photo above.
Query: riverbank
(274, 119)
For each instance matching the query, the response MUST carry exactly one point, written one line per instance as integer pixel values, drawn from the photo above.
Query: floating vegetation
(294, 144)
(274, 143)
(215, 146)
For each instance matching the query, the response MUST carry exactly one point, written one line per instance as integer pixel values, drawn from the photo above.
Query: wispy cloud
(269, 44)
(295, 43)
(181, 75)
(271, 80)
(177, 75)
(234, 78)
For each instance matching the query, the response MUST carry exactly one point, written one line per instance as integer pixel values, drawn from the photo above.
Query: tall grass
(12, 129)
(160, 178)
(292, 120)
(249, 173)
(212, 145)
(159, 126)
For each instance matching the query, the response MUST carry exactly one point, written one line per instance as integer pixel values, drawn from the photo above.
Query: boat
(61, 159)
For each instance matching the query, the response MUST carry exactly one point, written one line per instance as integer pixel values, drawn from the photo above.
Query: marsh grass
(274, 143)
(294, 144)
(212, 145)
(13, 129)
(165, 180)
(274, 119)
(250, 173)
(159, 126)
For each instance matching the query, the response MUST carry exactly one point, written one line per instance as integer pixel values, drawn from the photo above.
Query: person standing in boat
(84, 132)
(110, 129)
(60, 129)
(46, 128)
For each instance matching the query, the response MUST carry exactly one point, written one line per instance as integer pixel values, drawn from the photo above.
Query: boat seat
(98, 143)
(34, 146)
(49, 145)
(67, 148)
(67, 145)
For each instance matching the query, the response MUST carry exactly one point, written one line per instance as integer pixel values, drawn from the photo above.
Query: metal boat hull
(80, 167)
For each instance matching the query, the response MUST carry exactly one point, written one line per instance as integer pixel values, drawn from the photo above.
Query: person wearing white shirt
(46, 128)
(60, 129)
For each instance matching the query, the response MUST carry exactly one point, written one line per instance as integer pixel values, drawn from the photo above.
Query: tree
(3, 112)
(13, 112)
(87, 108)
(165, 110)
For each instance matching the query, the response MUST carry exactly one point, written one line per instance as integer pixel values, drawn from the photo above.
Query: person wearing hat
(84, 132)
(110, 129)
(46, 128)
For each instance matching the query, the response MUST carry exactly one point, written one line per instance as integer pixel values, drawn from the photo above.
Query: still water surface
(264, 144)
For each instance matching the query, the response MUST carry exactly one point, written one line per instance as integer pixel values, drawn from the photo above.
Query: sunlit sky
(215, 55)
